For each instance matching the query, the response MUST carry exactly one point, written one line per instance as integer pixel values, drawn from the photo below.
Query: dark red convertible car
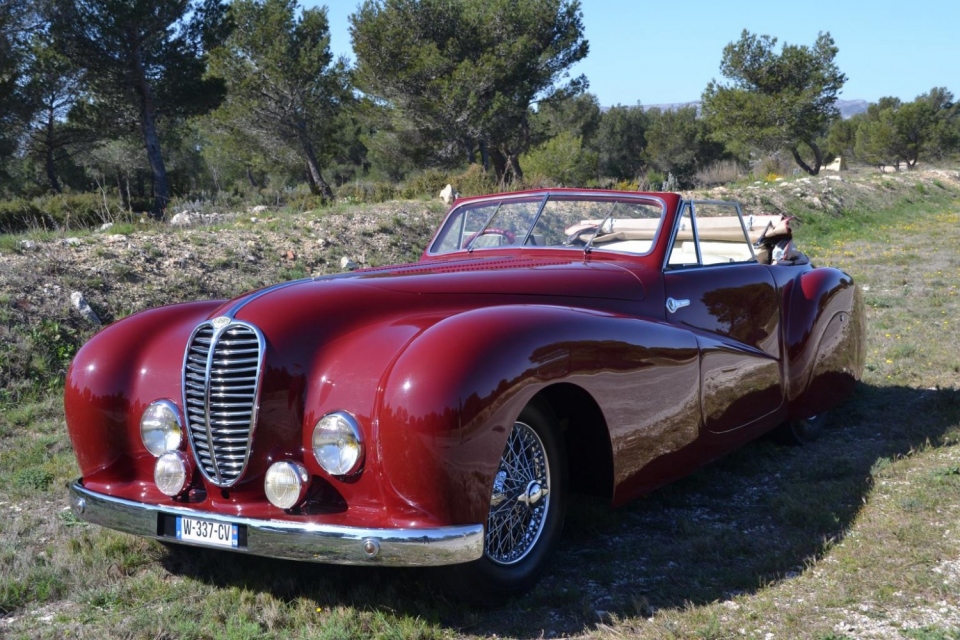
(440, 413)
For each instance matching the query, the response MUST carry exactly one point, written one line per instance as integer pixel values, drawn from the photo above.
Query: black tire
(800, 432)
(527, 507)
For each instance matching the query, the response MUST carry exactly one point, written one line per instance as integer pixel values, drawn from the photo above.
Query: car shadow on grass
(760, 515)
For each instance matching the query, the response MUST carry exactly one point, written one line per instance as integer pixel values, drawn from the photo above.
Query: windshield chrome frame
(547, 195)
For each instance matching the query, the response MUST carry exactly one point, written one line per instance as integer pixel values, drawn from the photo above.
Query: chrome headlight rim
(172, 473)
(157, 439)
(337, 444)
(292, 475)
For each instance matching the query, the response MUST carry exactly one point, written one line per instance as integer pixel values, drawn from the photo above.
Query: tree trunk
(148, 128)
(513, 167)
(48, 154)
(317, 183)
(499, 163)
(485, 155)
(817, 156)
(251, 178)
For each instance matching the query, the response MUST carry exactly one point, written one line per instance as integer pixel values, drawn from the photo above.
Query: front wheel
(527, 505)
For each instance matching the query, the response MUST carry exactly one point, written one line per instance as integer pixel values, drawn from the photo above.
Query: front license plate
(220, 534)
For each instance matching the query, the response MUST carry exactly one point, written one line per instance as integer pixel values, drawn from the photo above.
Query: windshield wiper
(484, 227)
(609, 216)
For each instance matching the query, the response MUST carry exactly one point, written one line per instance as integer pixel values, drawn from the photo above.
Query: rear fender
(825, 338)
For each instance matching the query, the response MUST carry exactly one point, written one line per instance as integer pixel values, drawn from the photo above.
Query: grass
(856, 536)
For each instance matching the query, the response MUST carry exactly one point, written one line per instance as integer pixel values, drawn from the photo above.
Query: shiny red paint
(437, 359)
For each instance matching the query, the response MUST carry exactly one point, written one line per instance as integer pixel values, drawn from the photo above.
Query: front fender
(112, 379)
(453, 394)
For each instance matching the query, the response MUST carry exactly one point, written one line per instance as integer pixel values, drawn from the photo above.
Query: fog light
(171, 473)
(337, 445)
(160, 427)
(286, 484)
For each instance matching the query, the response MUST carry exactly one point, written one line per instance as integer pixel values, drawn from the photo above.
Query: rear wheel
(800, 432)
(527, 505)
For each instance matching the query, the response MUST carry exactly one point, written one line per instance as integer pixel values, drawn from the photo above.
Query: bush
(63, 211)
(475, 181)
(366, 191)
(561, 160)
(425, 185)
(718, 173)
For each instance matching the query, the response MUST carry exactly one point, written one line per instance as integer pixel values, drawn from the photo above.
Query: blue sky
(666, 52)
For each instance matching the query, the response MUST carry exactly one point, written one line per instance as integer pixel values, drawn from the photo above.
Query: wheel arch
(586, 437)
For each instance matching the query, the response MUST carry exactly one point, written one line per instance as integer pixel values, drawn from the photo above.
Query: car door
(714, 286)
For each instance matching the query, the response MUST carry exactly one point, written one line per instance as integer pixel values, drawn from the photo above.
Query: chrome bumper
(292, 540)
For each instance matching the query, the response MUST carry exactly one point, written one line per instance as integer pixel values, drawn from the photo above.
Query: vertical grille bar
(221, 381)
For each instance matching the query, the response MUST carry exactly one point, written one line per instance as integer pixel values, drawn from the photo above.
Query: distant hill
(848, 108)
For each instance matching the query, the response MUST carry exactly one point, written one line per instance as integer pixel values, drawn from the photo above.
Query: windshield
(593, 222)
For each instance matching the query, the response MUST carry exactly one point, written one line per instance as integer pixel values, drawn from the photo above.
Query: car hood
(462, 282)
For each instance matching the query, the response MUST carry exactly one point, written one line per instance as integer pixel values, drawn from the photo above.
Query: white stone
(81, 305)
(449, 194)
(105, 226)
(184, 219)
(346, 264)
(837, 165)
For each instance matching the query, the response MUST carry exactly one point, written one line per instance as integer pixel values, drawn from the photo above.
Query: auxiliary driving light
(286, 484)
(171, 473)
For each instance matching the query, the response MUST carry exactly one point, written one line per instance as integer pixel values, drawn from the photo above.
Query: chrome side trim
(308, 542)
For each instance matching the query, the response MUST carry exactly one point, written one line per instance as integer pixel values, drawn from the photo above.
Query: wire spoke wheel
(520, 502)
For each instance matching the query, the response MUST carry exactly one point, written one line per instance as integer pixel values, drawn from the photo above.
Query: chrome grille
(221, 374)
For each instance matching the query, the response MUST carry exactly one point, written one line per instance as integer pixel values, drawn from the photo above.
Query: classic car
(441, 412)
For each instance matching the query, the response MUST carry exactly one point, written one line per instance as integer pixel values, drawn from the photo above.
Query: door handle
(673, 305)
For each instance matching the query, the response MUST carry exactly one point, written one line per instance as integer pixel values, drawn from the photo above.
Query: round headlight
(337, 445)
(160, 428)
(286, 484)
(171, 473)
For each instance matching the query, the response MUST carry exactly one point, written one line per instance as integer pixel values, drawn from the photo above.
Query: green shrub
(425, 185)
(366, 191)
(62, 211)
(474, 181)
(561, 160)
(33, 478)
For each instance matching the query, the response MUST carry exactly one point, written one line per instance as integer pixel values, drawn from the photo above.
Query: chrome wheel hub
(520, 499)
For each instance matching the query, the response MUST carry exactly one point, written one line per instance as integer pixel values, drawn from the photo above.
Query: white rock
(73, 242)
(184, 219)
(105, 226)
(449, 194)
(81, 305)
(258, 209)
(116, 237)
(346, 264)
(28, 245)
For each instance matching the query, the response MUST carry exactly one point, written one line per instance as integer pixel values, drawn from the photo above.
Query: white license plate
(219, 534)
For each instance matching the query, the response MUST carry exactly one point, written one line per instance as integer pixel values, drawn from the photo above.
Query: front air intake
(221, 380)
